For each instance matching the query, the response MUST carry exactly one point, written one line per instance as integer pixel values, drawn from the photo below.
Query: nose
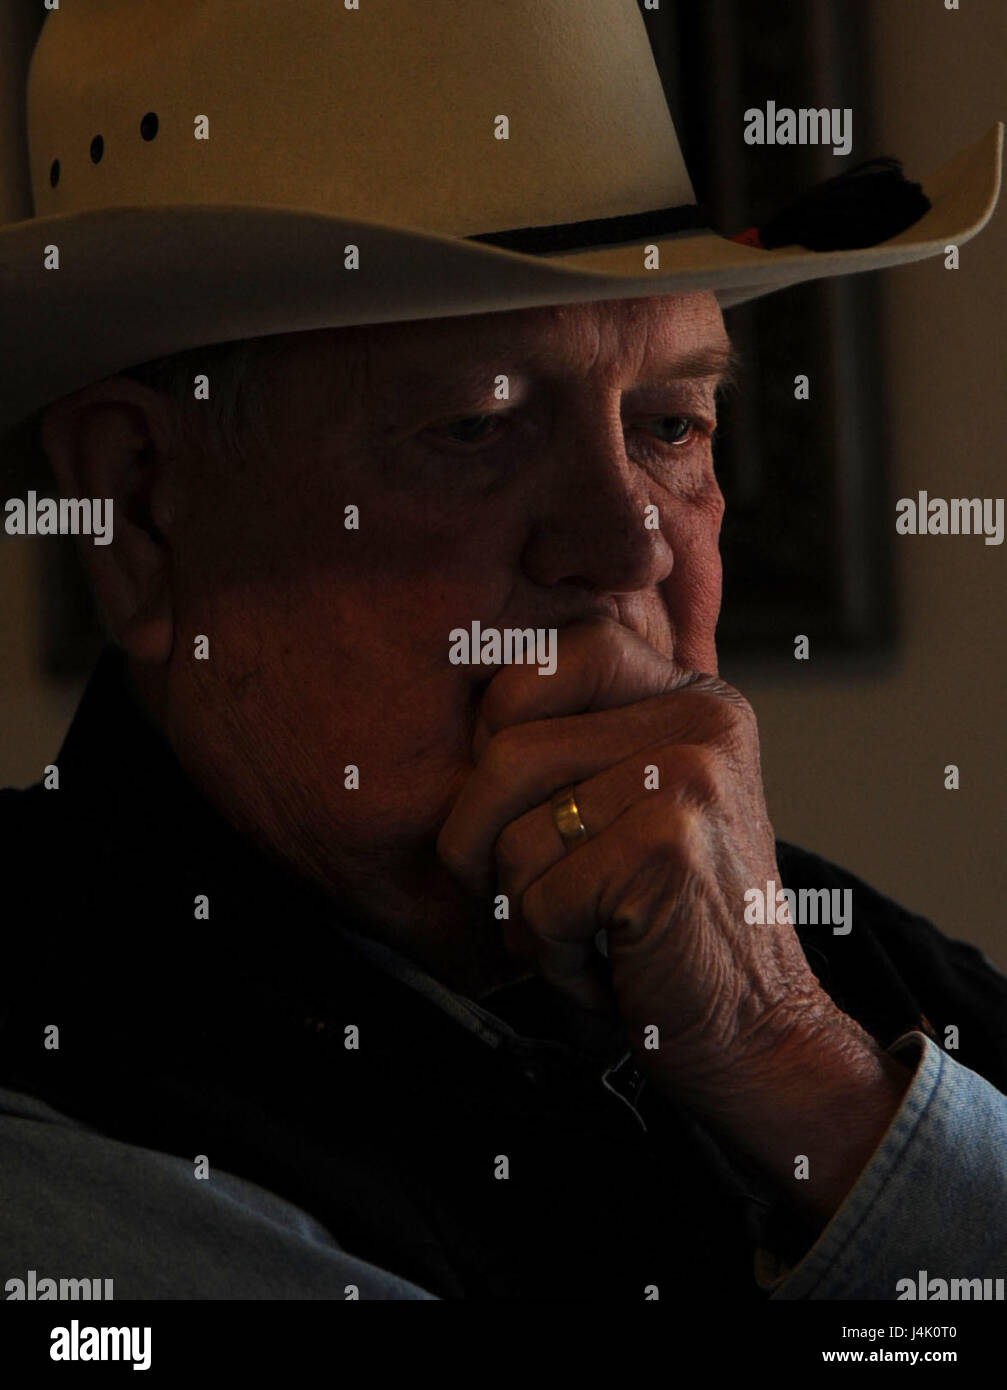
(592, 524)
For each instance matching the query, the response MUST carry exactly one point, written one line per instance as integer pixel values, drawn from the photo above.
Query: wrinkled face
(330, 645)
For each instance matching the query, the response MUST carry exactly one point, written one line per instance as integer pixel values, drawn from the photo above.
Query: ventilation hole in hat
(97, 149)
(148, 126)
(54, 173)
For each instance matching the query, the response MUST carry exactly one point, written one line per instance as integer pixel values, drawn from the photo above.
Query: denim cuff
(930, 1202)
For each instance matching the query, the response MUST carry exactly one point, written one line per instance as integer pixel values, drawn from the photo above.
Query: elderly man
(380, 965)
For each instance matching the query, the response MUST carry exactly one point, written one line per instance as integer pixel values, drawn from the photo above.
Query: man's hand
(742, 1021)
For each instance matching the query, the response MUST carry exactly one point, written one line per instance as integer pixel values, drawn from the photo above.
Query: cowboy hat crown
(212, 170)
(386, 113)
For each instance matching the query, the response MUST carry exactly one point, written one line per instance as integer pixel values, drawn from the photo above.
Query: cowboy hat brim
(136, 283)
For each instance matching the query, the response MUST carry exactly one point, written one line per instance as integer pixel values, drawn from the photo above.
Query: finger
(522, 767)
(603, 666)
(576, 968)
(626, 882)
(600, 664)
(528, 847)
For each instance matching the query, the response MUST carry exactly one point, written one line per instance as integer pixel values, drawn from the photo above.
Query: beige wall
(853, 764)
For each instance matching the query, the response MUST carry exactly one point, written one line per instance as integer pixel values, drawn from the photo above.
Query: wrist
(813, 1119)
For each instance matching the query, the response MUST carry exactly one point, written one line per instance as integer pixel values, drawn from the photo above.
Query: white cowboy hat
(373, 124)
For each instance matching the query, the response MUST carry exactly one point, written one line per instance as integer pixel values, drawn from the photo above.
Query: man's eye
(679, 428)
(476, 429)
(468, 429)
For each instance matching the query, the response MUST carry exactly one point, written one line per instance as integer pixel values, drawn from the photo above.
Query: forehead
(608, 340)
(578, 333)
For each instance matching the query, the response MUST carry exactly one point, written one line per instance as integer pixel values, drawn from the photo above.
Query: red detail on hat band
(750, 237)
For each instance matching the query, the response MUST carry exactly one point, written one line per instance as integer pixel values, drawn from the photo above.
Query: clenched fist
(665, 770)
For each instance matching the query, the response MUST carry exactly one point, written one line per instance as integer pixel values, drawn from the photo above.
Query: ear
(112, 441)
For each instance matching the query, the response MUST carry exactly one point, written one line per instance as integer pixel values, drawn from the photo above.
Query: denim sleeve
(78, 1205)
(932, 1197)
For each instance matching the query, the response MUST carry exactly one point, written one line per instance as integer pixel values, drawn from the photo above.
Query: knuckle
(631, 917)
(538, 907)
(744, 717)
(735, 707)
(683, 830)
(733, 724)
(503, 698)
(669, 830)
(456, 852)
(726, 717)
(510, 849)
(451, 858)
(534, 911)
(699, 775)
(502, 757)
(718, 704)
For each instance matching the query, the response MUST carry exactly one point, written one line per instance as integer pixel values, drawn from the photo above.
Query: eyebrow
(720, 363)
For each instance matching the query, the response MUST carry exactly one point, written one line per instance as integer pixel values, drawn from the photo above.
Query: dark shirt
(226, 1038)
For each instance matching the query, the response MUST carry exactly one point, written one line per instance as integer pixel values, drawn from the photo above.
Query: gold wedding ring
(572, 830)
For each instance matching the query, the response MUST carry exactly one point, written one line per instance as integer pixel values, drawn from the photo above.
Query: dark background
(805, 546)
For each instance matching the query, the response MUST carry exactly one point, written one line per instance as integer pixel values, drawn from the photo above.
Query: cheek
(692, 591)
(329, 647)
(350, 627)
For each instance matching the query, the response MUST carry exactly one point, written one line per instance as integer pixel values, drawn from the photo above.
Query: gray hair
(235, 414)
(235, 417)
